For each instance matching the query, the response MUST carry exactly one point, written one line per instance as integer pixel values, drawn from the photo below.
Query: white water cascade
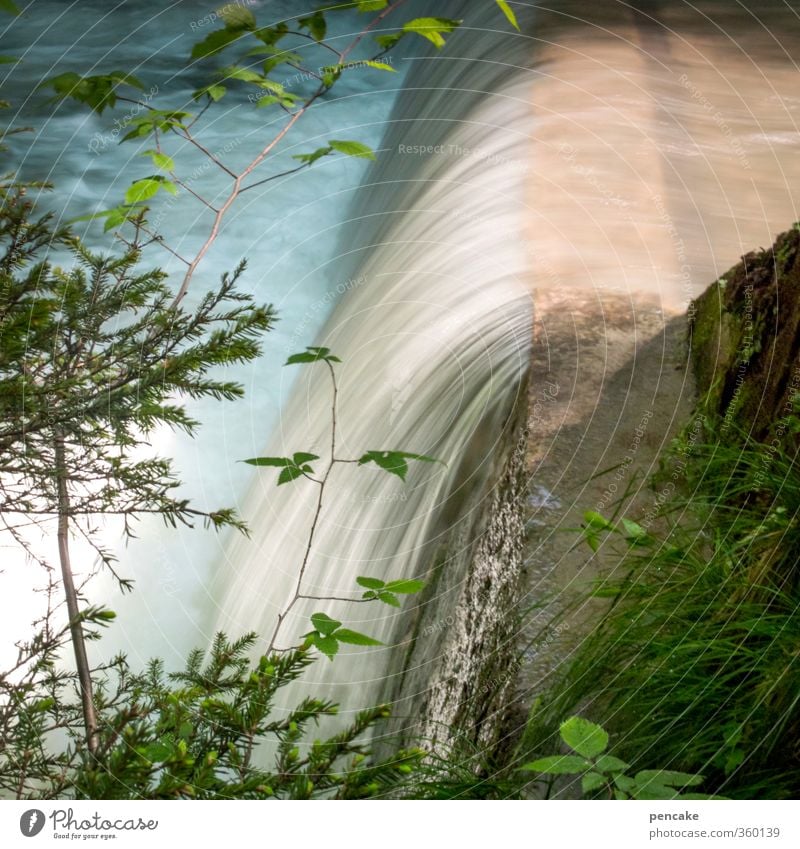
(434, 335)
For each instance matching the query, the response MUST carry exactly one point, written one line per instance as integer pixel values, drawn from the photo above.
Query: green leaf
(592, 781)
(668, 778)
(394, 462)
(698, 796)
(388, 598)
(345, 635)
(352, 148)
(236, 17)
(625, 783)
(301, 457)
(324, 624)
(329, 646)
(584, 737)
(245, 75)
(509, 13)
(269, 461)
(559, 765)
(380, 66)
(105, 615)
(215, 42)
(289, 474)
(331, 73)
(314, 156)
(42, 705)
(633, 531)
(142, 190)
(608, 763)
(432, 28)
(312, 355)
(114, 217)
(156, 119)
(9, 7)
(8, 60)
(404, 587)
(315, 24)
(595, 520)
(97, 92)
(157, 752)
(372, 5)
(216, 91)
(160, 160)
(370, 583)
(654, 792)
(387, 42)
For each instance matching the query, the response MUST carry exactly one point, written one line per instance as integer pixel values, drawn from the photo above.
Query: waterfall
(434, 336)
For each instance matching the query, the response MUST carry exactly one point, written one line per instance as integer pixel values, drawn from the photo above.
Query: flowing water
(434, 339)
(628, 148)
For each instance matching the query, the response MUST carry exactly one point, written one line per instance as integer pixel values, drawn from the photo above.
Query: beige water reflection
(667, 141)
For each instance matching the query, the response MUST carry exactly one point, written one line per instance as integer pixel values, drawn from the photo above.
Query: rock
(745, 341)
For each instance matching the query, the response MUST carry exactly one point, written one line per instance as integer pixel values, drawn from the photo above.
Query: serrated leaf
(215, 42)
(404, 587)
(313, 156)
(245, 75)
(301, 457)
(625, 783)
(652, 792)
(324, 624)
(329, 646)
(432, 28)
(509, 13)
(269, 461)
(216, 92)
(352, 148)
(312, 355)
(116, 218)
(370, 583)
(160, 160)
(559, 765)
(380, 66)
(388, 598)
(387, 42)
(668, 777)
(236, 17)
(394, 462)
(584, 737)
(592, 781)
(345, 635)
(289, 474)
(142, 190)
(608, 763)
(315, 24)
